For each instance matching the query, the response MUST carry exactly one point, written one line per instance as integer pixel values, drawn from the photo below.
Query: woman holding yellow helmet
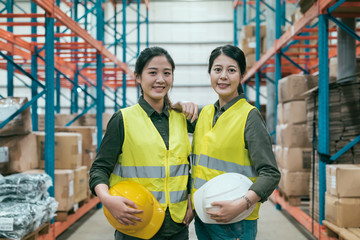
(148, 144)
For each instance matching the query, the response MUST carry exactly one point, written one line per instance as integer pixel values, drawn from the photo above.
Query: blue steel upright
(257, 54)
(49, 103)
(124, 45)
(34, 68)
(99, 72)
(9, 65)
(323, 137)
(244, 13)
(235, 26)
(277, 56)
(58, 85)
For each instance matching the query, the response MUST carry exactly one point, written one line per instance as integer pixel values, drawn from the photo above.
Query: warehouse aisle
(272, 225)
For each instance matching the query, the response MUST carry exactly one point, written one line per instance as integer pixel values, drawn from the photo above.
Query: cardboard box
(248, 45)
(343, 212)
(296, 159)
(343, 180)
(294, 112)
(279, 129)
(18, 154)
(294, 86)
(90, 120)
(80, 184)
(67, 150)
(64, 187)
(294, 183)
(61, 120)
(88, 157)
(278, 155)
(280, 113)
(248, 31)
(293, 135)
(250, 60)
(89, 142)
(21, 124)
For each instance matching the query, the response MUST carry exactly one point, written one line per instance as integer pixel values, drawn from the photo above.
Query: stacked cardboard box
(61, 120)
(342, 199)
(344, 126)
(90, 120)
(344, 119)
(248, 43)
(85, 120)
(89, 142)
(306, 4)
(70, 175)
(293, 150)
(89, 145)
(17, 143)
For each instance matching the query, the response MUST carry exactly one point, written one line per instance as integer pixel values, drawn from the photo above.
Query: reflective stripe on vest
(175, 196)
(146, 160)
(225, 166)
(150, 171)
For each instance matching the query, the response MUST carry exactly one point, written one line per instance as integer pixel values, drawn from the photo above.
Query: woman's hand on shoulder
(189, 109)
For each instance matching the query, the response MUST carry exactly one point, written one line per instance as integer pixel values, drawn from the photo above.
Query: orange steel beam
(21, 15)
(239, 2)
(34, 24)
(43, 35)
(311, 37)
(13, 50)
(11, 38)
(301, 53)
(312, 13)
(304, 219)
(50, 7)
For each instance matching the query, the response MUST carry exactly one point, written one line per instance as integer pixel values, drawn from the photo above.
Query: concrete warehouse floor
(272, 225)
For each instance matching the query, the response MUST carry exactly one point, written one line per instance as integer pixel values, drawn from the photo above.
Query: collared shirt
(258, 144)
(111, 148)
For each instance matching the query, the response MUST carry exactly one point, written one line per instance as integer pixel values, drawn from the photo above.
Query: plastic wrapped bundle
(24, 204)
(19, 219)
(24, 187)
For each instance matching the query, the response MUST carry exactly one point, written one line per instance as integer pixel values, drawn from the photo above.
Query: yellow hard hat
(152, 216)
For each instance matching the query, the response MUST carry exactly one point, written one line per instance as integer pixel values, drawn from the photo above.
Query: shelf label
(71, 188)
(333, 182)
(4, 154)
(6, 224)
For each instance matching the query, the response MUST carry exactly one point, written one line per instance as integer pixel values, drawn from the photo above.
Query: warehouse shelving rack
(323, 10)
(246, 7)
(69, 58)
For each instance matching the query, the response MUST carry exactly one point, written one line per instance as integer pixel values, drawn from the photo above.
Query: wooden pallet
(61, 216)
(292, 200)
(342, 233)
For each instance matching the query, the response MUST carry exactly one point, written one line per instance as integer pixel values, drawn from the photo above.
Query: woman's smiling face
(225, 78)
(156, 79)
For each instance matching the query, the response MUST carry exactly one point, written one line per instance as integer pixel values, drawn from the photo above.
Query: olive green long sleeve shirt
(258, 144)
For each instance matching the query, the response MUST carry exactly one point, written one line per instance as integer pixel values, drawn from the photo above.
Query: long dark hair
(145, 56)
(232, 52)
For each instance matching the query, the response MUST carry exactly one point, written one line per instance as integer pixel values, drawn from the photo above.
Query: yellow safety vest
(146, 160)
(221, 149)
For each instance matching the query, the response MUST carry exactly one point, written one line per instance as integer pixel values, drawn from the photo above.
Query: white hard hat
(227, 186)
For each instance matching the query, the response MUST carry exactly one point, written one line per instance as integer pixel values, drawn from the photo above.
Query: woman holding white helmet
(231, 137)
